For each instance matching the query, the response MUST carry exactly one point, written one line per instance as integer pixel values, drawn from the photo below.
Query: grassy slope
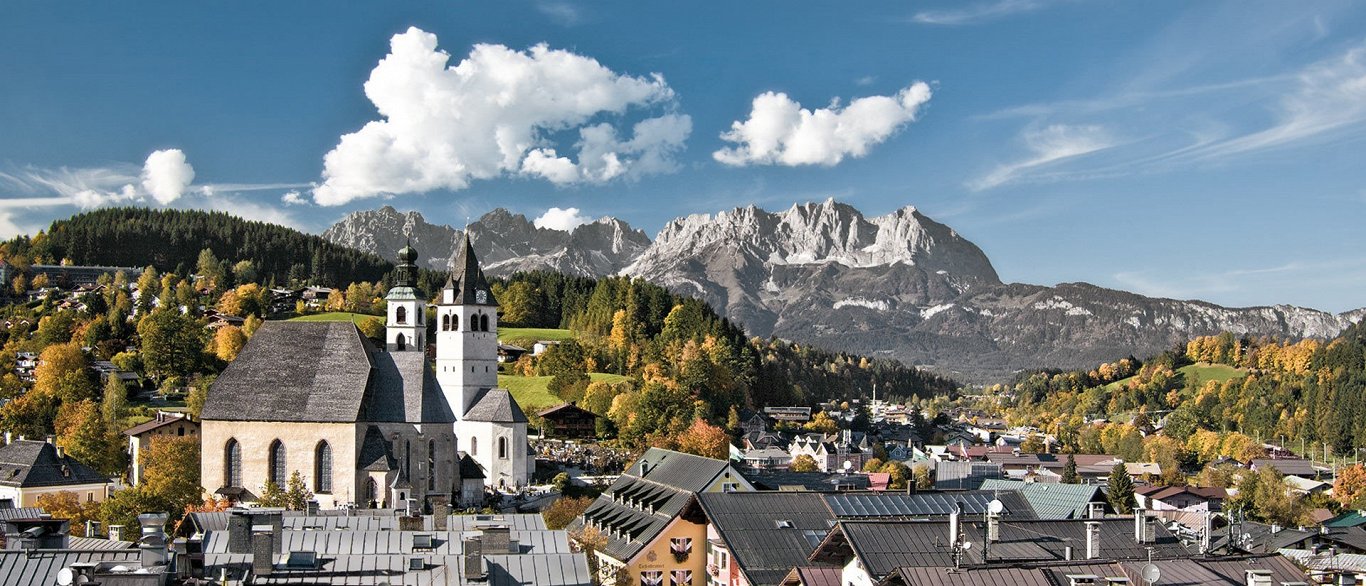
(531, 392)
(533, 334)
(334, 316)
(1203, 371)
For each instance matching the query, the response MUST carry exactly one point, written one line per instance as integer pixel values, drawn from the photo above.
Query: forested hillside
(172, 240)
(684, 361)
(1309, 390)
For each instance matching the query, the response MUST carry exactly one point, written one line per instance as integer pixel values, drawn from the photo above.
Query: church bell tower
(405, 330)
(466, 333)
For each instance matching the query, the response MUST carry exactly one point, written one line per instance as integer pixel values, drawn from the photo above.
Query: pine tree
(1069, 472)
(1121, 489)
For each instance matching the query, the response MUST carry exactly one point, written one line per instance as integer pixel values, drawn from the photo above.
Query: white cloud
(1327, 98)
(561, 219)
(166, 175)
(1047, 145)
(293, 198)
(561, 12)
(979, 12)
(496, 113)
(780, 132)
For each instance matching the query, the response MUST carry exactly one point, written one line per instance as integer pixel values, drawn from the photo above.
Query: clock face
(481, 296)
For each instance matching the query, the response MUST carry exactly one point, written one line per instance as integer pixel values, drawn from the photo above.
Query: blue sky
(1207, 150)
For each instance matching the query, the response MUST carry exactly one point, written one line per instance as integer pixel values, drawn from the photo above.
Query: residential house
(30, 469)
(653, 527)
(163, 425)
(569, 421)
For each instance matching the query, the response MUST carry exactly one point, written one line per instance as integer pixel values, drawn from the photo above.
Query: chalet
(508, 353)
(654, 528)
(1287, 467)
(1181, 498)
(163, 425)
(569, 421)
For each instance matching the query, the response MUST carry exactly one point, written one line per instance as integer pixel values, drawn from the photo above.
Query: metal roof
(349, 542)
(1052, 500)
(438, 570)
(39, 568)
(925, 504)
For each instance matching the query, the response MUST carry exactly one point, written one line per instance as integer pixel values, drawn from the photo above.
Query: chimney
(116, 533)
(1141, 529)
(1067, 553)
(152, 543)
(239, 532)
(92, 528)
(1096, 511)
(954, 524)
(61, 453)
(496, 540)
(1092, 540)
(440, 513)
(1259, 578)
(475, 570)
(262, 551)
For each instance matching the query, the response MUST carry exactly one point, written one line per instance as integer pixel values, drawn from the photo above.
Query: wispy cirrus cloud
(977, 12)
(1237, 286)
(1047, 146)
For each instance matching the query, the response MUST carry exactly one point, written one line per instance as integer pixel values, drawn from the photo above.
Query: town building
(653, 527)
(569, 421)
(30, 469)
(163, 425)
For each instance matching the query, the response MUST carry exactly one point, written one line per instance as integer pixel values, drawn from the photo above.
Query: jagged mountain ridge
(899, 285)
(506, 242)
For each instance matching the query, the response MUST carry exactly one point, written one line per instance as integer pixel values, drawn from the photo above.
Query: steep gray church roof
(324, 372)
(497, 406)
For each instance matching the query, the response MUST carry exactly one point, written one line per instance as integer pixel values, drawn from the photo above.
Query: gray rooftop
(496, 405)
(39, 568)
(1052, 500)
(324, 372)
(28, 463)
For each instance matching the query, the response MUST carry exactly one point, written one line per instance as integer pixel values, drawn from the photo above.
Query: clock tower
(466, 333)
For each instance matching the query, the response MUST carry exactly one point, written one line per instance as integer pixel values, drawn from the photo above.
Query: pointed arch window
(445, 323)
(371, 492)
(322, 473)
(455, 322)
(277, 463)
(502, 448)
(483, 323)
(431, 465)
(232, 464)
(401, 315)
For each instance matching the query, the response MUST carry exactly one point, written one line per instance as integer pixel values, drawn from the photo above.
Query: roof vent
(784, 523)
(302, 559)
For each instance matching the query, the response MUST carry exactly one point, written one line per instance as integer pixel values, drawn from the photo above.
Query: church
(369, 426)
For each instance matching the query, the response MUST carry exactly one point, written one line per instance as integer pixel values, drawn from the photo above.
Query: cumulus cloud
(166, 175)
(499, 112)
(561, 219)
(293, 198)
(1047, 145)
(780, 132)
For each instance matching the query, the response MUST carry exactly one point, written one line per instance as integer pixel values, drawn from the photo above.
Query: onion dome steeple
(405, 274)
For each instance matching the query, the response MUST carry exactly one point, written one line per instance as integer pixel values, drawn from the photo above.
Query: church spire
(466, 284)
(405, 273)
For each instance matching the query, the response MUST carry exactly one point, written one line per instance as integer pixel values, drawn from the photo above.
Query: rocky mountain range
(899, 285)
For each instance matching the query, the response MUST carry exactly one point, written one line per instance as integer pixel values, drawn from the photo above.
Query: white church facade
(366, 426)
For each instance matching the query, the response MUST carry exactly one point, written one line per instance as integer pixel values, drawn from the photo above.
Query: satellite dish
(848, 465)
(967, 545)
(995, 507)
(66, 577)
(1151, 574)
